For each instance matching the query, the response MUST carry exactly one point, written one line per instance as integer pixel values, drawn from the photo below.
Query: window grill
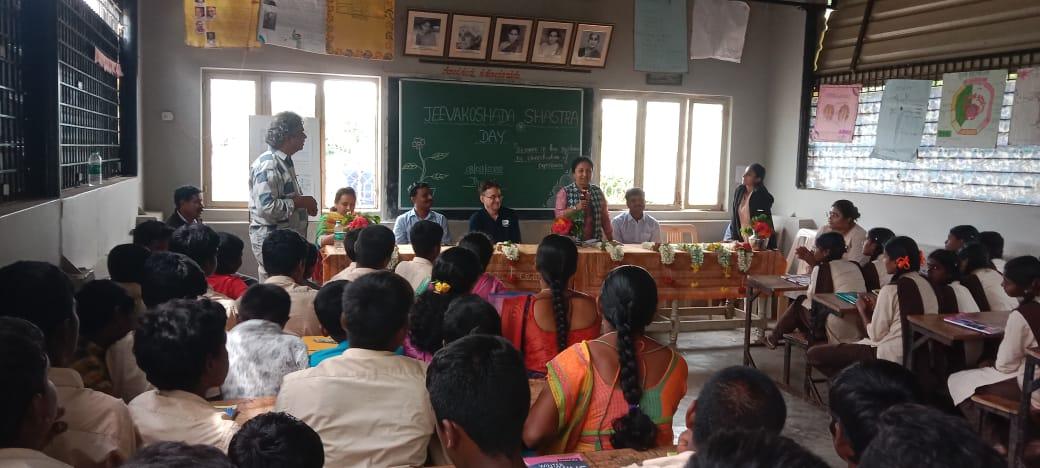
(13, 166)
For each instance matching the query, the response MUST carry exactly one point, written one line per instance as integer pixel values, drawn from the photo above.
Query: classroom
(668, 233)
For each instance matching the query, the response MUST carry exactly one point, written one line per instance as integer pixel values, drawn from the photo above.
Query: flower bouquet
(615, 249)
(510, 250)
(570, 225)
(758, 233)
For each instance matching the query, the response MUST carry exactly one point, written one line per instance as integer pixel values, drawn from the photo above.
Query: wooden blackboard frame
(393, 145)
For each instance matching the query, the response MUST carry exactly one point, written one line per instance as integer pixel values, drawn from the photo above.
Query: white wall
(926, 220)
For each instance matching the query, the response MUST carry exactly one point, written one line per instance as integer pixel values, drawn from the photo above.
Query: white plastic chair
(805, 237)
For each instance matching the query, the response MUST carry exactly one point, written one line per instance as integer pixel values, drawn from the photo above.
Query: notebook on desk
(800, 280)
(570, 460)
(969, 322)
(849, 297)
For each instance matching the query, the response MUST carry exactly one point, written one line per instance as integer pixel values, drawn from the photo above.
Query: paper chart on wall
(660, 36)
(718, 29)
(969, 111)
(836, 112)
(297, 24)
(901, 119)
(307, 161)
(220, 23)
(1025, 115)
(361, 28)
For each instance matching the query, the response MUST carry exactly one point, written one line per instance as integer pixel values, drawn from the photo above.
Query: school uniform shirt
(504, 229)
(854, 240)
(885, 331)
(403, 224)
(884, 277)
(992, 285)
(370, 408)
(999, 264)
(230, 306)
(259, 355)
(179, 416)
(1010, 362)
(352, 274)
(965, 301)
(302, 319)
(128, 380)
(100, 432)
(28, 458)
(134, 290)
(416, 271)
(628, 230)
(846, 277)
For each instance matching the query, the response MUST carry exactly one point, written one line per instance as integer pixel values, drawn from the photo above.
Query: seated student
(105, 314)
(479, 392)
(328, 304)
(881, 316)
(29, 411)
(913, 436)
(994, 244)
(187, 207)
(259, 352)
(313, 256)
(841, 219)
(180, 345)
(729, 449)
(984, 281)
(349, 243)
(153, 235)
(179, 455)
(276, 440)
(392, 425)
(635, 226)
(617, 391)
(454, 274)
(201, 244)
(100, 432)
(421, 195)
(839, 276)
(373, 249)
(285, 257)
(225, 278)
(858, 396)
(426, 242)
(734, 398)
(874, 273)
(960, 236)
(480, 244)
(544, 324)
(169, 275)
(467, 315)
(125, 267)
(1005, 376)
(944, 271)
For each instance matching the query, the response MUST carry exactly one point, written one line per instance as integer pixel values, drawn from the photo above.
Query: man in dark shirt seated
(187, 207)
(495, 220)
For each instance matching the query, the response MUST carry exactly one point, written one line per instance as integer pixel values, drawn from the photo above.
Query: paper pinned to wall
(836, 112)
(307, 161)
(1025, 115)
(969, 112)
(297, 24)
(717, 29)
(660, 36)
(221, 23)
(361, 28)
(901, 119)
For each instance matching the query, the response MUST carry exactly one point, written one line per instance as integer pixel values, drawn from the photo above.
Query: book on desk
(800, 280)
(570, 460)
(848, 297)
(969, 322)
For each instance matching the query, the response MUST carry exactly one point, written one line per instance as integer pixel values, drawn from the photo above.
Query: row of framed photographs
(510, 40)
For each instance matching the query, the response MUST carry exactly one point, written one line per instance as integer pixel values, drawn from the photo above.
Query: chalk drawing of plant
(418, 143)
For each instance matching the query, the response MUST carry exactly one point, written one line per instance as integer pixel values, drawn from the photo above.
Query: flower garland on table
(395, 258)
(615, 250)
(744, 256)
(725, 261)
(667, 254)
(696, 252)
(510, 250)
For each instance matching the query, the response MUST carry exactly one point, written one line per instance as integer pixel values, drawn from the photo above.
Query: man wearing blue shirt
(422, 199)
(635, 226)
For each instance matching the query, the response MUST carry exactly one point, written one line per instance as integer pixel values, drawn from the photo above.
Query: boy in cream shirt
(285, 259)
(180, 347)
(426, 243)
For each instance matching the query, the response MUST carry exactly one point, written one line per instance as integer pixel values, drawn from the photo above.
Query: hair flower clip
(903, 263)
(440, 287)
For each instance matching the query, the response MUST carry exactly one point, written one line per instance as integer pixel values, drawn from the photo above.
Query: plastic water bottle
(338, 234)
(94, 169)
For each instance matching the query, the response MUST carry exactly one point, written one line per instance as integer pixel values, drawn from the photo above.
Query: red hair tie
(903, 263)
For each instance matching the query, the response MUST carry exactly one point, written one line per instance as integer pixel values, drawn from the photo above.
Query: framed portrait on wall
(552, 42)
(426, 33)
(591, 45)
(469, 37)
(511, 40)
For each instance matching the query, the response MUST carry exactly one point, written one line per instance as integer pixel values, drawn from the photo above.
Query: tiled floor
(707, 352)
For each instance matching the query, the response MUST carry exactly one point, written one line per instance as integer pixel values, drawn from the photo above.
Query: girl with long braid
(543, 324)
(617, 391)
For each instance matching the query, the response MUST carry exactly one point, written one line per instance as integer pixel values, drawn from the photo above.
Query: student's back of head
(557, 261)
(350, 243)
(40, 293)
(276, 440)
(200, 243)
(470, 315)
(265, 302)
(153, 235)
(753, 449)
(105, 312)
(374, 246)
(993, 242)
(903, 250)
(965, 233)
(328, 306)
(454, 273)
(284, 253)
(1023, 277)
(479, 392)
(229, 254)
(480, 244)
(180, 345)
(973, 257)
(23, 363)
(912, 436)
(738, 398)
(426, 238)
(126, 263)
(858, 396)
(313, 255)
(169, 275)
(375, 311)
(833, 243)
(179, 455)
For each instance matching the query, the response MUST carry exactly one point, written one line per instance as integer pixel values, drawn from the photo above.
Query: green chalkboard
(453, 135)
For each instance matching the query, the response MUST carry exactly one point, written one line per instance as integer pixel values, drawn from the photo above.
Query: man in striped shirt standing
(275, 198)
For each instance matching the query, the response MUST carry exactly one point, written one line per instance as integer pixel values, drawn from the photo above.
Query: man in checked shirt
(275, 198)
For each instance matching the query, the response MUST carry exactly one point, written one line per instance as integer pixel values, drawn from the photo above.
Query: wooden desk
(248, 408)
(616, 458)
(833, 304)
(933, 327)
(318, 343)
(767, 286)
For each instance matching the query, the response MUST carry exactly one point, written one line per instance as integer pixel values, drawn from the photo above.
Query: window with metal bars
(13, 168)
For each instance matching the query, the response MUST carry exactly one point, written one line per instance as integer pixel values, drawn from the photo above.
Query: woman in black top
(749, 200)
(495, 220)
